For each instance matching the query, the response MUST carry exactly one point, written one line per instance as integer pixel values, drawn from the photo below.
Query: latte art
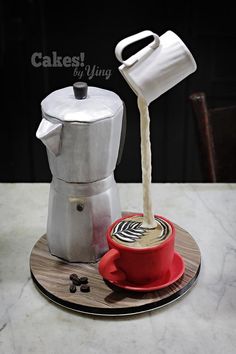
(130, 232)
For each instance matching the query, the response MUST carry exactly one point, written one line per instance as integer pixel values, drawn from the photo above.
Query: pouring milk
(150, 72)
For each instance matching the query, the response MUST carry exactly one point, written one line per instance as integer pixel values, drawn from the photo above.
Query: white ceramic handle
(132, 39)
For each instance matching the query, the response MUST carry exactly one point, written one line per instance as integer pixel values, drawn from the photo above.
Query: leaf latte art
(128, 231)
(131, 232)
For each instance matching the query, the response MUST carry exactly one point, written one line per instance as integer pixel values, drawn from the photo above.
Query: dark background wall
(72, 27)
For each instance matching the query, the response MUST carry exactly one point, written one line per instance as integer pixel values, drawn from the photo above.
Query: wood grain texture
(51, 276)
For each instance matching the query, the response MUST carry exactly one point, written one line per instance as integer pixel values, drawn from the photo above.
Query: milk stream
(148, 219)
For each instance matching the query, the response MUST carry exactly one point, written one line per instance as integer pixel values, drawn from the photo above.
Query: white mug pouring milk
(157, 67)
(150, 72)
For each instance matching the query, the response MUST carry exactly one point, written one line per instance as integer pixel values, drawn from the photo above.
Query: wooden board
(51, 276)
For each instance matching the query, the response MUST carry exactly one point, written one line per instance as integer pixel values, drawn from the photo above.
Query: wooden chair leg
(207, 145)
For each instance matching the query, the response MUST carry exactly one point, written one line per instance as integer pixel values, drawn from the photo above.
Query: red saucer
(175, 272)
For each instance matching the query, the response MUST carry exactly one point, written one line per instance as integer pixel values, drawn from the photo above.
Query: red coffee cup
(137, 265)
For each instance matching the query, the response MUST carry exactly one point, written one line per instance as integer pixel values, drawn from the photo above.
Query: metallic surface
(88, 151)
(78, 234)
(82, 139)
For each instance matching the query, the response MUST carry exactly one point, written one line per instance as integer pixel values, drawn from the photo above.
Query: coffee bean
(83, 280)
(76, 281)
(72, 288)
(85, 288)
(73, 276)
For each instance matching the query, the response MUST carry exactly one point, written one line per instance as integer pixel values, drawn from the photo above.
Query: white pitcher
(157, 67)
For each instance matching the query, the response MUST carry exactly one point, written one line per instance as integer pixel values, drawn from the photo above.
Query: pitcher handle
(132, 39)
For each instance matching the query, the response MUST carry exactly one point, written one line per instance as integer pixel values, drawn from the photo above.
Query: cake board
(51, 276)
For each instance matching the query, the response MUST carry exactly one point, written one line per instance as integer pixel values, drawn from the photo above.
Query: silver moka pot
(81, 128)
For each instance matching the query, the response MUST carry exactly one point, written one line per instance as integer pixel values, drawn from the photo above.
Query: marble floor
(202, 321)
